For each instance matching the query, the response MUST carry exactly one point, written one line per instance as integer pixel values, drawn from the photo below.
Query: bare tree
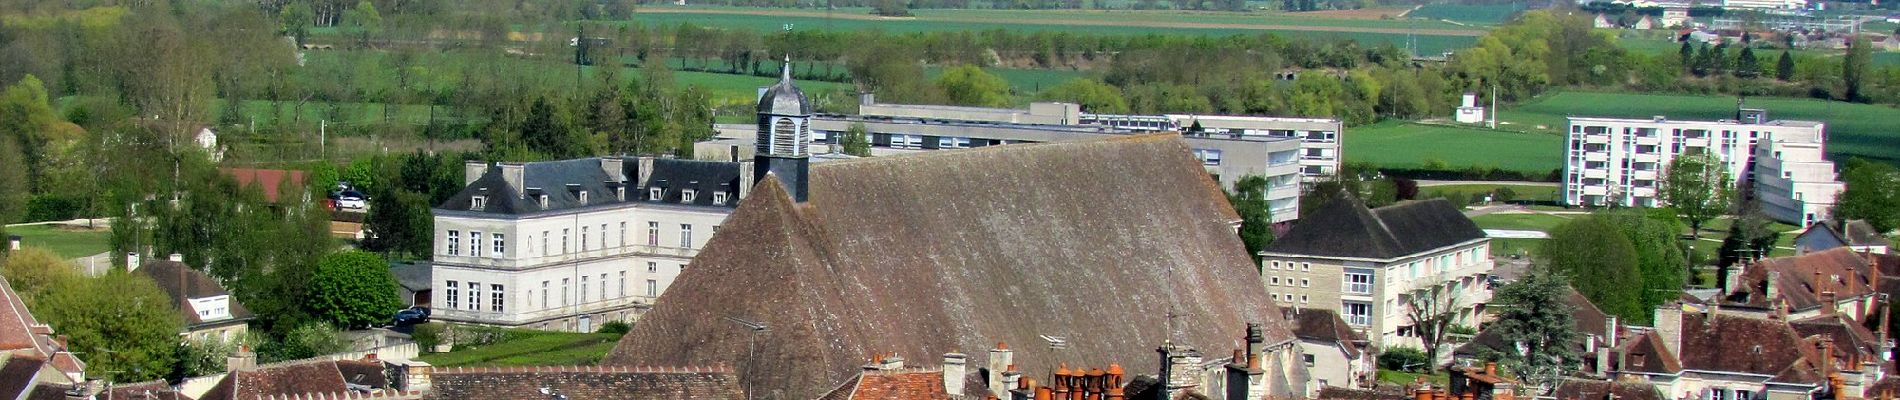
(1432, 312)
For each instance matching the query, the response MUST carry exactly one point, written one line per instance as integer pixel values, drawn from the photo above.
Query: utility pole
(323, 138)
(1494, 106)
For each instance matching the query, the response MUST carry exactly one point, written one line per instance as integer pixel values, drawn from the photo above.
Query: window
(544, 294)
(1208, 156)
(620, 194)
(653, 267)
(603, 236)
(900, 141)
(1357, 313)
(1275, 281)
(455, 243)
(564, 240)
(654, 194)
(1303, 298)
(653, 233)
(623, 283)
(495, 294)
(1718, 394)
(452, 291)
(686, 235)
(583, 293)
(544, 243)
(1308, 358)
(1306, 267)
(500, 245)
(1358, 281)
(623, 233)
(951, 142)
(564, 296)
(1306, 282)
(686, 196)
(543, 199)
(474, 244)
(1276, 265)
(603, 286)
(719, 198)
(474, 296)
(477, 203)
(1744, 395)
(653, 288)
(583, 197)
(583, 238)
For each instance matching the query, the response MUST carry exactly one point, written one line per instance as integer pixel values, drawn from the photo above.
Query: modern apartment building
(568, 245)
(1320, 139)
(1368, 265)
(1621, 161)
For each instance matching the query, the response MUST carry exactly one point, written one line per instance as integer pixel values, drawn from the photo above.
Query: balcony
(1596, 139)
(1595, 190)
(1596, 157)
(1596, 173)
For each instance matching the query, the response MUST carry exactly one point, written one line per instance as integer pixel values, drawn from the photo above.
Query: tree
(1432, 311)
(1873, 194)
(13, 183)
(203, 357)
(34, 271)
(353, 289)
(1249, 199)
(968, 85)
(1784, 69)
(1698, 187)
(306, 341)
(856, 140)
(122, 325)
(1686, 54)
(1854, 68)
(1093, 95)
(1750, 238)
(364, 20)
(1661, 261)
(1746, 66)
(1601, 262)
(1537, 317)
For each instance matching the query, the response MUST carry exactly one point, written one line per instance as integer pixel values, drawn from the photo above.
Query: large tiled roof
(281, 380)
(271, 182)
(1853, 343)
(151, 390)
(1325, 326)
(1748, 345)
(1647, 354)
(1802, 279)
(1345, 228)
(1593, 389)
(917, 384)
(180, 282)
(20, 333)
(592, 383)
(954, 251)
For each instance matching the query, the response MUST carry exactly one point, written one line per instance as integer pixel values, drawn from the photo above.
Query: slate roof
(673, 176)
(784, 98)
(412, 276)
(180, 282)
(18, 375)
(562, 181)
(586, 382)
(270, 181)
(1592, 389)
(1345, 228)
(918, 384)
(954, 251)
(283, 379)
(1852, 233)
(1325, 326)
(1840, 269)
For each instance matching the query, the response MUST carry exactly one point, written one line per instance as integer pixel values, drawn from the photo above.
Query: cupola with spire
(784, 140)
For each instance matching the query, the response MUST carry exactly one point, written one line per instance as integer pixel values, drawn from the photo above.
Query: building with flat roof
(1621, 161)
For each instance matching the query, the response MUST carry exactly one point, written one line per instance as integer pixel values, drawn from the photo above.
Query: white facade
(1374, 295)
(1321, 140)
(1621, 161)
(1469, 112)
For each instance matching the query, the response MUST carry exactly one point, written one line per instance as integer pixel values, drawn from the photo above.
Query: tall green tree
(1600, 261)
(13, 183)
(364, 21)
(1784, 68)
(856, 140)
(1249, 199)
(1746, 66)
(1873, 194)
(1750, 238)
(1698, 187)
(1536, 317)
(1854, 69)
(353, 289)
(1661, 260)
(122, 325)
(968, 85)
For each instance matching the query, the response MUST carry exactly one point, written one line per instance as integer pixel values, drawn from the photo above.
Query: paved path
(1424, 183)
(98, 222)
(1515, 234)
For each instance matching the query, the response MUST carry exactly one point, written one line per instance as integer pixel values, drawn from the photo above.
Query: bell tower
(784, 140)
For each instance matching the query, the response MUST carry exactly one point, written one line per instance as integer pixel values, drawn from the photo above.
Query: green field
(1660, 42)
(530, 348)
(67, 242)
(1470, 192)
(1854, 130)
(1477, 14)
(1370, 31)
(1411, 145)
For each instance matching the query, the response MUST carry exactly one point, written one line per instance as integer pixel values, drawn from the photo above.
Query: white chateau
(568, 245)
(1621, 161)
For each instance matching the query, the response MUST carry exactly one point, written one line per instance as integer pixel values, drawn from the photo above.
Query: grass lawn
(67, 242)
(1854, 130)
(1468, 192)
(530, 348)
(1504, 248)
(1407, 378)
(1402, 144)
(1432, 37)
(1524, 222)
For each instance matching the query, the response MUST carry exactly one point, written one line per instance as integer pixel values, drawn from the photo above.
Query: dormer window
(583, 196)
(653, 194)
(477, 203)
(686, 196)
(719, 198)
(543, 199)
(620, 193)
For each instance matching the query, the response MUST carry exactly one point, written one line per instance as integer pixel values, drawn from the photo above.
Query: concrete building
(1320, 140)
(568, 245)
(1469, 112)
(1621, 161)
(1369, 264)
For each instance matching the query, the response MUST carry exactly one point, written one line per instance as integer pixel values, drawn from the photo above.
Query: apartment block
(1320, 139)
(1621, 161)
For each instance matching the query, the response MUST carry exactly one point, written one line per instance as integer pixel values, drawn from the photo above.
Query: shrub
(615, 327)
(1404, 359)
(1504, 194)
(427, 336)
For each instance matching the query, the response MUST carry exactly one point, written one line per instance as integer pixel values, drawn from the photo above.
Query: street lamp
(751, 348)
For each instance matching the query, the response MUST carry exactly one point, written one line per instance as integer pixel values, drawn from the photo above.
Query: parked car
(412, 316)
(352, 199)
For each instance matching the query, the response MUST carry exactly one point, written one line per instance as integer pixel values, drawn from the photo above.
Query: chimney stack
(1256, 339)
(415, 375)
(515, 174)
(1245, 379)
(1828, 303)
(1097, 383)
(1114, 382)
(243, 360)
(1012, 378)
(953, 373)
(471, 171)
(891, 363)
(1772, 289)
(998, 362)
(1025, 392)
(1668, 323)
(1061, 382)
(612, 166)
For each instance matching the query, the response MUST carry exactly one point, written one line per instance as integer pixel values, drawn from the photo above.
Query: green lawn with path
(530, 348)
(1412, 145)
(66, 241)
(1523, 222)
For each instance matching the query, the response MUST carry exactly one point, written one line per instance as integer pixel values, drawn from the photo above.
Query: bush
(54, 208)
(427, 336)
(1404, 359)
(1504, 194)
(614, 327)
(310, 340)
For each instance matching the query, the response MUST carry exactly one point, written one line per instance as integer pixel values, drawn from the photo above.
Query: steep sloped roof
(1593, 389)
(563, 180)
(1747, 345)
(954, 251)
(1325, 326)
(914, 384)
(180, 282)
(1345, 228)
(18, 374)
(586, 382)
(1853, 343)
(1802, 279)
(308, 377)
